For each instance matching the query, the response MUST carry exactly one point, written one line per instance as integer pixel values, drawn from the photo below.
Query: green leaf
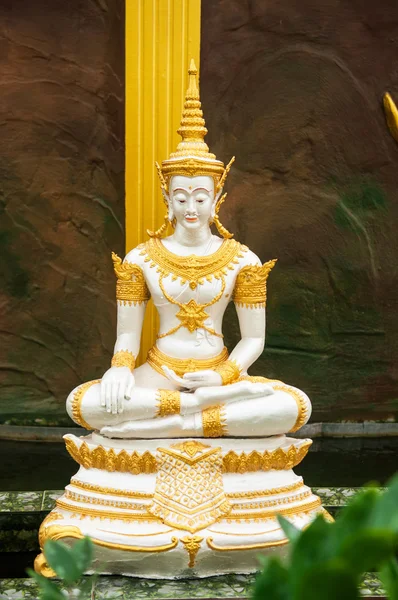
(368, 549)
(357, 515)
(83, 554)
(86, 586)
(60, 559)
(386, 513)
(389, 578)
(273, 582)
(314, 545)
(48, 589)
(331, 580)
(289, 529)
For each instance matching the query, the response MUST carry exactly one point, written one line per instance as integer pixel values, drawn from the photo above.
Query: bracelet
(229, 371)
(169, 403)
(123, 358)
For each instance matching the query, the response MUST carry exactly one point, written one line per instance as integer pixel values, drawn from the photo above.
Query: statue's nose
(191, 206)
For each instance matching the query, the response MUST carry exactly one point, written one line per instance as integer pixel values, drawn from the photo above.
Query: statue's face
(192, 200)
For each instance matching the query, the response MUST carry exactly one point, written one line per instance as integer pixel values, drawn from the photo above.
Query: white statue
(189, 387)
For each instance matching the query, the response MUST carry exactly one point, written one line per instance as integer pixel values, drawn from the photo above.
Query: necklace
(193, 269)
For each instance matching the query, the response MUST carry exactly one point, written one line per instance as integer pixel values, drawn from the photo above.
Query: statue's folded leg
(286, 410)
(84, 406)
(84, 403)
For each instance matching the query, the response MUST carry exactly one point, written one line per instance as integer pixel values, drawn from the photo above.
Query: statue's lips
(191, 219)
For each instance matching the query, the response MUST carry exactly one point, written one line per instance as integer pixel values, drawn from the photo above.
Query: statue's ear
(169, 204)
(214, 206)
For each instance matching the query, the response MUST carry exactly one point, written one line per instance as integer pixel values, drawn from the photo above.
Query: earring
(220, 227)
(161, 231)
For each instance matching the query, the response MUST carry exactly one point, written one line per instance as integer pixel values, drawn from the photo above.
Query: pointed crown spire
(192, 156)
(192, 129)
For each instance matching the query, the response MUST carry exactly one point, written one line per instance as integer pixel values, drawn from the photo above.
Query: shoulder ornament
(131, 287)
(251, 285)
(193, 269)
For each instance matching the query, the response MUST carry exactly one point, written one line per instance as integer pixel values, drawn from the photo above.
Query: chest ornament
(193, 269)
(251, 285)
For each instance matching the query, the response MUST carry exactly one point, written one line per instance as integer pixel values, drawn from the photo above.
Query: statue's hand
(207, 378)
(116, 386)
(193, 381)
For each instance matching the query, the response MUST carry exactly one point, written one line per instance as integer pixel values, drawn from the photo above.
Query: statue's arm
(132, 295)
(250, 296)
(252, 330)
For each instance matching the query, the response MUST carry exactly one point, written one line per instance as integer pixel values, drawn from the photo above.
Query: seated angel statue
(189, 385)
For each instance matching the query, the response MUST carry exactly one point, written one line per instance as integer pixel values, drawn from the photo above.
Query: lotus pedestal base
(181, 508)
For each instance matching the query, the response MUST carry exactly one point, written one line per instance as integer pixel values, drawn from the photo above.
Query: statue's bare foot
(242, 390)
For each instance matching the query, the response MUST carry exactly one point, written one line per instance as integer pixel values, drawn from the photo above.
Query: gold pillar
(161, 38)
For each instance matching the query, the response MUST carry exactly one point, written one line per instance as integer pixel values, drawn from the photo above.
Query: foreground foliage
(69, 564)
(326, 561)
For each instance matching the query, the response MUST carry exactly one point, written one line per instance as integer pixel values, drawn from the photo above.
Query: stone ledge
(311, 430)
(125, 588)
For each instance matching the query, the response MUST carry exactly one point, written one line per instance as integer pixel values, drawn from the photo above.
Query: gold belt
(180, 366)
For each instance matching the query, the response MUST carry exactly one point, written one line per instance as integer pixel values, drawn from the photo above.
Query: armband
(251, 285)
(131, 287)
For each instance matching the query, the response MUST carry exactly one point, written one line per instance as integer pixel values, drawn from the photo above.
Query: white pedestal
(181, 507)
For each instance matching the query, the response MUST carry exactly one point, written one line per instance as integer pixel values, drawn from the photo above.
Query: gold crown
(192, 156)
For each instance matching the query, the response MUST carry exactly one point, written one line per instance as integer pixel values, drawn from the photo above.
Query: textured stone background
(61, 196)
(294, 90)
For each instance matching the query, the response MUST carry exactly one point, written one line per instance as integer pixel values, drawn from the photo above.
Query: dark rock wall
(294, 90)
(61, 197)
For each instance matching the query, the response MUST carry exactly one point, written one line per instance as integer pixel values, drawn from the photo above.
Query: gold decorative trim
(278, 459)
(77, 404)
(50, 518)
(213, 421)
(99, 489)
(249, 535)
(40, 566)
(192, 156)
(192, 315)
(229, 371)
(123, 358)
(157, 359)
(146, 549)
(327, 516)
(169, 402)
(191, 447)
(192, 546)
(270, 492)
(83, 511)
(189, 492)
(108, 460)
(193, 269)
(261, 516)
(131, 287)
(102, 502)
(267, 503)
(391, 113)
(213, 546)
(251, 285)
(58, 532)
